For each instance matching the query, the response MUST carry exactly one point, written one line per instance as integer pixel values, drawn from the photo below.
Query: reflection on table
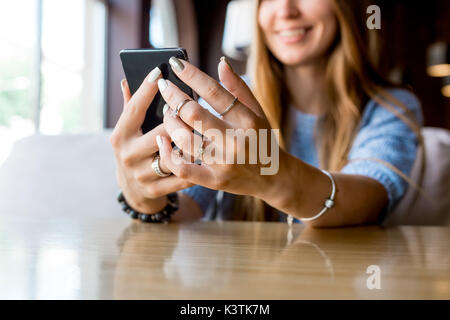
(115, 258)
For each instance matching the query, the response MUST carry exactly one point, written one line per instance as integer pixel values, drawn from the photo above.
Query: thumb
(125, 91)
(233, 83)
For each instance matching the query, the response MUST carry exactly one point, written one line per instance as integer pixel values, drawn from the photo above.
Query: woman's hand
(144, 190)
(234, 147)
(293, 187)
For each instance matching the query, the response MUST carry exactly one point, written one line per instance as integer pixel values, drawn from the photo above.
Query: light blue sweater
(381, 135)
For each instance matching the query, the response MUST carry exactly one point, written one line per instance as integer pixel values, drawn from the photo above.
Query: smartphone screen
(137, 64)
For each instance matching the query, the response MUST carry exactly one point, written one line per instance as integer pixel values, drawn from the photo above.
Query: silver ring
(201, 150)
(181, 105)
(157, 169)
(229, 107)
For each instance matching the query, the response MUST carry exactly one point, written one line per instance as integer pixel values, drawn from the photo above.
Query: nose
(288, 9)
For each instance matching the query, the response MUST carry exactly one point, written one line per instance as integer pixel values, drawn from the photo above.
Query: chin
(294, 59)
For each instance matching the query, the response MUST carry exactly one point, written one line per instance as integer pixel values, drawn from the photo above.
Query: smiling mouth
(294, 33)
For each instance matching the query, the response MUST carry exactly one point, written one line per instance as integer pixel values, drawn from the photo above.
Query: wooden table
(104, 258)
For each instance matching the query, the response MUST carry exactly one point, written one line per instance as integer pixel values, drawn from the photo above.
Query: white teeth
(291, 33)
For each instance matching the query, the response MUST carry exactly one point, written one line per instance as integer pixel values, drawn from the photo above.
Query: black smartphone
(137, 63)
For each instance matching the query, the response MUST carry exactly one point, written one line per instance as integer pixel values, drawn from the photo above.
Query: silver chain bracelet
(329, 203)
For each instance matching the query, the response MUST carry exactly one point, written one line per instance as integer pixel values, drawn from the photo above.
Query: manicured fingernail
(165, 108)
(226, 61)
(159, 141)
(162, 85)
(153, 75)
(122, 84)
(176, 64)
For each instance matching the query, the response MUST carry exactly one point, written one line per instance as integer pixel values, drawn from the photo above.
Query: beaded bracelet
(162, 216)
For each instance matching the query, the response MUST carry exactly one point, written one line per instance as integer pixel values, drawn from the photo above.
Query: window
(52, 68)
(16, 71)
(163, 24)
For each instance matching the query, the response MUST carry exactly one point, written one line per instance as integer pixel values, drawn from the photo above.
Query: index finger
(209, 89)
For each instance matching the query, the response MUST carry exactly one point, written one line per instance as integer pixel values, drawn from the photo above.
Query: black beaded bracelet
(162, 216)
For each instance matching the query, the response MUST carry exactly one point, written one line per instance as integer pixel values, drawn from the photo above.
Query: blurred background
(60, 78)
(60, 69)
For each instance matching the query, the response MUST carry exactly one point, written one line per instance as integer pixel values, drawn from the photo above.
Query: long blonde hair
(351, 80)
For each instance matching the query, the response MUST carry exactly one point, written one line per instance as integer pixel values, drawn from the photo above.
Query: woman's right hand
(143, 189)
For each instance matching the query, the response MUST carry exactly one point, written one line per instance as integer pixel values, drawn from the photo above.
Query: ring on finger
(180, 105)
(201, 150)
(229, 107)
(157, 168)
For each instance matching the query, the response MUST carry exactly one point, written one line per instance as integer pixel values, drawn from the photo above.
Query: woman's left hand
(239, 152)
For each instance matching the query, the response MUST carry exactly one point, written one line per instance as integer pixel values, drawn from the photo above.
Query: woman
(312, 77)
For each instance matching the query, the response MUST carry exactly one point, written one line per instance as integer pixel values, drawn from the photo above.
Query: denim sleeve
(386, 137)
(201, 195)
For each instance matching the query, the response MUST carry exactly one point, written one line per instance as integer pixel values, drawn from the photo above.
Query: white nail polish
(159, 141)
(165, 108)
(176, 64)
(162, 84)
(154, 74)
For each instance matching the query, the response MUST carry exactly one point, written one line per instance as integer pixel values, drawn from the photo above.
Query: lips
(293, 34)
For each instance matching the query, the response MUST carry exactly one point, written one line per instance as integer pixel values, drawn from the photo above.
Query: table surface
(116, 258)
